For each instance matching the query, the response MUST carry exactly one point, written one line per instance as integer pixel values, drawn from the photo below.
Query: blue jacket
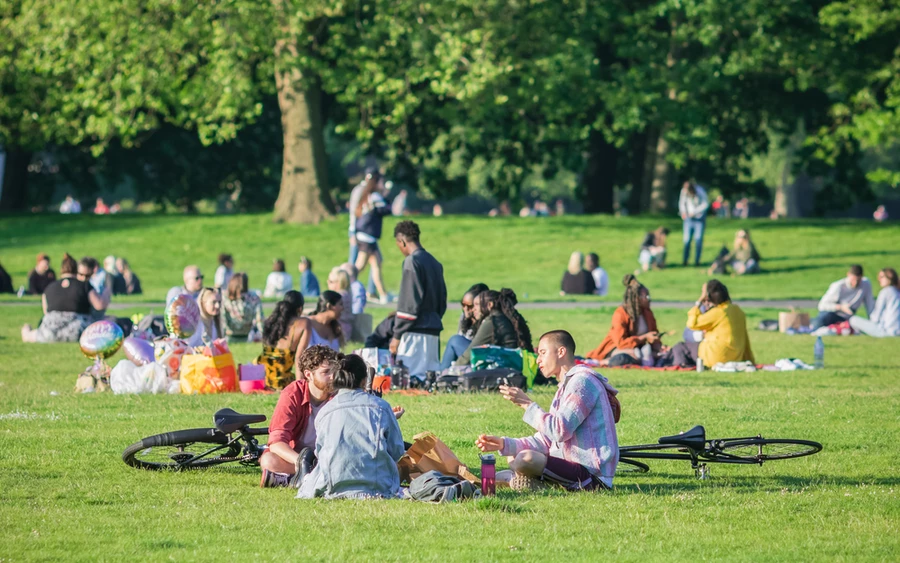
(358, 445)
(309, 284)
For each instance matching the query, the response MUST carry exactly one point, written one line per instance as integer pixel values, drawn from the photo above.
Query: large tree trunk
(787, 193)
(304, 195)
(600, 175)
(659, 186)
(638, 155)
(14, 196)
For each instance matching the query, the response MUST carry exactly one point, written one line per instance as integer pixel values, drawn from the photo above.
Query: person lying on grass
(358, 440)
(575, 445)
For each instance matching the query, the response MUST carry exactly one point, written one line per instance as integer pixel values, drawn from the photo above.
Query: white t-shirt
(277, 284)
(601, 281)
(308, 440)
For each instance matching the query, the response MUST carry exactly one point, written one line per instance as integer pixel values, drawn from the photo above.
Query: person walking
(693, 203)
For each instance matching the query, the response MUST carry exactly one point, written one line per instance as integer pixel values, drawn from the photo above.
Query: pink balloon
(139, 351)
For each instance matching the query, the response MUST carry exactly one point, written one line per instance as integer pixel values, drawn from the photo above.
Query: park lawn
(800, 258)
(65, 494)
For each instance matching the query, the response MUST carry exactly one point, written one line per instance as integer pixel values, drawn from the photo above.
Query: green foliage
(478, 96)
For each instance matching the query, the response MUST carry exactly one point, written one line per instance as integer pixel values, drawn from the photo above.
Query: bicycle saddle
(694, 439)
(228, 421)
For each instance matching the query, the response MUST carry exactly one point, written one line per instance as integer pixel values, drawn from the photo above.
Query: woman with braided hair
(508, 302)
(633, 334)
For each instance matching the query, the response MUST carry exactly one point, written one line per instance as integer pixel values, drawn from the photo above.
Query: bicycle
(693, 446)
(232, 440)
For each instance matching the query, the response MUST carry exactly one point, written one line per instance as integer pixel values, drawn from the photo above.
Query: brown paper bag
(429, 453)
(792, 319)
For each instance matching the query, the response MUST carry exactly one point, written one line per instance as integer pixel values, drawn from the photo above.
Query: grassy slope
(529, 255)
(64, 493)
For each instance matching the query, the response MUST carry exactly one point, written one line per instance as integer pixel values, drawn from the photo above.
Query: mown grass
(65, 494)
(800, 257)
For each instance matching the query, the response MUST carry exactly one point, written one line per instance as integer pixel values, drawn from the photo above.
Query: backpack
(433, 486)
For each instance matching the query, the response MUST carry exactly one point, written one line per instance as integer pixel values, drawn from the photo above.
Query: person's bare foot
(26, 332)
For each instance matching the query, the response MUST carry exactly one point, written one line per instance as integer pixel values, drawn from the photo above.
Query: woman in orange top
(633, 331)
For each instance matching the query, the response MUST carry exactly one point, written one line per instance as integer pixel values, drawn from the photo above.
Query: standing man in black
(421, 304)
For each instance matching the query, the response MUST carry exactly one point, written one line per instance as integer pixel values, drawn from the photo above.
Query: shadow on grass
(686, 482)
(849, 255)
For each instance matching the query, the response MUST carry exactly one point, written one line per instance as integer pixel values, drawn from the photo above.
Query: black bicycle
(233, 440)
(693, 446)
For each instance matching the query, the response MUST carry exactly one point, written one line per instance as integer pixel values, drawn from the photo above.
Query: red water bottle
(488, 475)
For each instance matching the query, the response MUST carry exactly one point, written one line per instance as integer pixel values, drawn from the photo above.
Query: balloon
(139, 351)
(101, 339)
(182, 316)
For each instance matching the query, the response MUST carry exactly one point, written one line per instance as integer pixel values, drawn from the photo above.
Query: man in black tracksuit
(421, 304)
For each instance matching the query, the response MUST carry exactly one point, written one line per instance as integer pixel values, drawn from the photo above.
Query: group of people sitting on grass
(584, 276)
(329, 438)
(488, 318)
(741, 259)
(716, 331)
(79, 296)
(846, 296)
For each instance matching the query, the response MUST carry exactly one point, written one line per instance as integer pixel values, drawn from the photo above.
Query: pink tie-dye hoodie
(579, 427)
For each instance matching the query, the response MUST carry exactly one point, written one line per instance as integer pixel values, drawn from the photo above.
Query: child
(358, 441)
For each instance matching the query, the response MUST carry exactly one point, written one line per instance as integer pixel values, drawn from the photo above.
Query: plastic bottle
(488, 475)
(819, 353)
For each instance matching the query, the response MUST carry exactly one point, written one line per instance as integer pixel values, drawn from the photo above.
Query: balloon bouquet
(99, 341)
(182, 318)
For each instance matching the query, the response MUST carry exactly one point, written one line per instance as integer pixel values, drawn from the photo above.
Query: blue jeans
(693, 230)
(454, 349)
(825, 318)
(370, 288)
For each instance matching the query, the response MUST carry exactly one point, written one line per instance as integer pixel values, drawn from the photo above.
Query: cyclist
(576, 444)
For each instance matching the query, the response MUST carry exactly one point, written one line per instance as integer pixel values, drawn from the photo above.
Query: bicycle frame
(712, 452)
(250, 448)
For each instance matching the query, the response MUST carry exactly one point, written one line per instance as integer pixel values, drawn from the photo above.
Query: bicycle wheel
(764, 449)
(626, 466)
(180, 450)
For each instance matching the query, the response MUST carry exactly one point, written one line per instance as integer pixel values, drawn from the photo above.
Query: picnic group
(331, 438)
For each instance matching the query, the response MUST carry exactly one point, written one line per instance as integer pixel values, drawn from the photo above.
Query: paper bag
(429, 453)
(204, 374)
(792, 319)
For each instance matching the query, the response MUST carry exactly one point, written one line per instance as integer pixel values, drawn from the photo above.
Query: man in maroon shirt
(293, 423)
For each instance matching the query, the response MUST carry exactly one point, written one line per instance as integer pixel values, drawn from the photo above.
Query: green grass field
(800, 258)
(65, 494)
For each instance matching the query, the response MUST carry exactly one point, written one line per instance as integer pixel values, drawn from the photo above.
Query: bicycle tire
(629, 466)
(765, 449)
(168, 451)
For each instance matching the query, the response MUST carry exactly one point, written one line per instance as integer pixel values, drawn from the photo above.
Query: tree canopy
(487, 95)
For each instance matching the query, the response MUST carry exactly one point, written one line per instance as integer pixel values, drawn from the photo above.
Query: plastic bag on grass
(150, 378)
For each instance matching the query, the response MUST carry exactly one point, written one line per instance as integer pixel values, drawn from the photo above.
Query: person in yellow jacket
(725, 330)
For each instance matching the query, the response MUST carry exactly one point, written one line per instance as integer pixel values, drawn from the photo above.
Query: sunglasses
(198, 278)
(467, 306)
